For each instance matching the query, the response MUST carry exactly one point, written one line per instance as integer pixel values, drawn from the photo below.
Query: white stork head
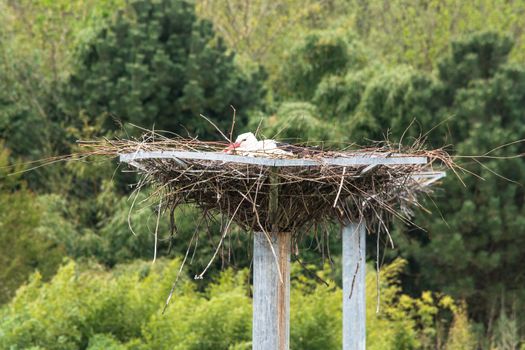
(244, 141)
(246, 138)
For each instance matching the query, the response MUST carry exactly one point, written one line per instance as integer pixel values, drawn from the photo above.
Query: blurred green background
(73, 276)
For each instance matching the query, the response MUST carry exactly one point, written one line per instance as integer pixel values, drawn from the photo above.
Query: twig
(157, 231)
(233, 123)
(340, 187)
(215, 126)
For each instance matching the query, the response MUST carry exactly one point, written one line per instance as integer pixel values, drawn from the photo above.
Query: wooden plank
(271, 297)
(371, 159)
(354, 288)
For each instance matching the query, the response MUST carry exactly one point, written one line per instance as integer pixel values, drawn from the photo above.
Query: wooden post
(271, 297)
(354, 289)
(271, 280)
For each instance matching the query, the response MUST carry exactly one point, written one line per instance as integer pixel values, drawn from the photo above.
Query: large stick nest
(306, 196)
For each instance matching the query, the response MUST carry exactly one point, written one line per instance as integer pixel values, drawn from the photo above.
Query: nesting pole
(317, 184)
(271, 281)
(271, 296)
(354, 289)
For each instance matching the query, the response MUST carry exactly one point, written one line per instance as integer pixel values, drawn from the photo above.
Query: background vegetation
(73, 275)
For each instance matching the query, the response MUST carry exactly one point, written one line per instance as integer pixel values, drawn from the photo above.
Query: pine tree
(157, 65)
(476, 251)
(472, 245)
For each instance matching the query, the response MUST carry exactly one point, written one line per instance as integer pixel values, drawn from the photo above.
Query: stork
(247, 145)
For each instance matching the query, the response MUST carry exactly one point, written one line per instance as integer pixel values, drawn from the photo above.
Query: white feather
(250, 146)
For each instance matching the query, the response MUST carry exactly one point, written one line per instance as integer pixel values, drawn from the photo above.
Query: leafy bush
(26, 245)
(87, 307)
(460, 335)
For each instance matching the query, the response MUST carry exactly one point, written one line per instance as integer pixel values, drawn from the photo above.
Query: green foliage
(92, 309)
(127, 231)
(391, 101)
(484, 225)
(403, 322)
(316, 317)
(89, 308)
(17, 219)
(413, 33)
(36, 41)
(262, 33)
(313, 100)
(157, 65)
(215, 320)
(295, 122)
(472, 58)
(338, 96)
(21, 108)
(351, 101)
(25, 246)
(460, 335)
(74, 306)
(418, 33)
(52, 41)
(35, 52)
(506, 334)
(105, 342)
(478, 97)
(318, 55)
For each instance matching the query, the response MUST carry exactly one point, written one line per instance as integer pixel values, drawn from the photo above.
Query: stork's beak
(232, 147)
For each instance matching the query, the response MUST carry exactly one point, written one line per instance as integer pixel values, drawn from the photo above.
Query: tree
(36, 41)
(318, 55)
(313, 98)
(262, 32)
(418, 33)
(475, 251)
(157, 65)
(470, 247)
(25, 245)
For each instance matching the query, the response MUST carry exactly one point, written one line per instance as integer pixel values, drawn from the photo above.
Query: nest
(280, 198)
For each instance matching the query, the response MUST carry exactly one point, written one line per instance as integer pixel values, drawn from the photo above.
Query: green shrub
(104, 342)
(219, 317)
(460, 335)
(88, 307)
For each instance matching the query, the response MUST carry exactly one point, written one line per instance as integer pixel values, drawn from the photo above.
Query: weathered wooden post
(354, 289)
(271, 280)
(271, 295)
